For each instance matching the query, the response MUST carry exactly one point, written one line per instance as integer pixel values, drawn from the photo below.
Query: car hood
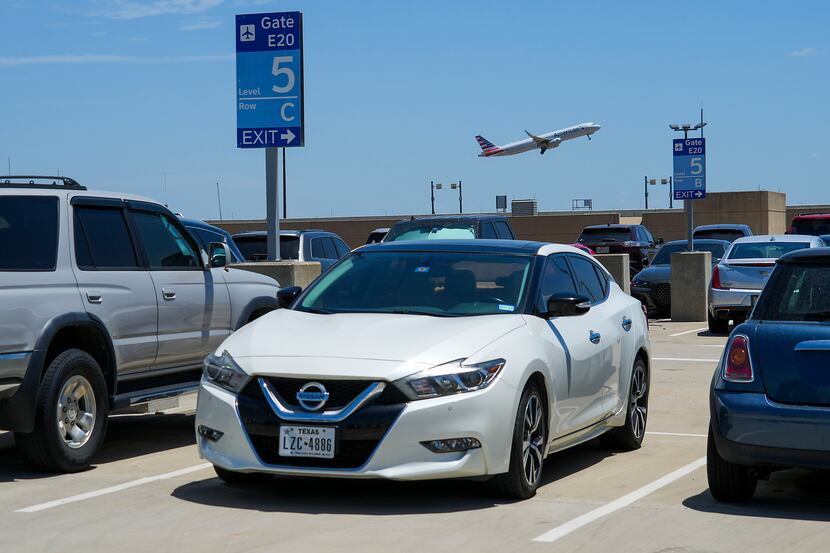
(655, 274)
(360, 345)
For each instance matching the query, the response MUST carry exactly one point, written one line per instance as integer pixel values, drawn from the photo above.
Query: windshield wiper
(416, 312)
(315, 310)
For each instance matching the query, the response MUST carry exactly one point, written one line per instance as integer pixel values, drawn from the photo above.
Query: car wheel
(233, 478)
(71, 415)
(527, 450)
(630, 435)
(728, 482)
(718, 326)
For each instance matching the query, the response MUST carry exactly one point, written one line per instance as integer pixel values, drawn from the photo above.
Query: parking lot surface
(149, 491)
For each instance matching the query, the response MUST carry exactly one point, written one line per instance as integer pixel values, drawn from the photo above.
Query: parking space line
(113, 489)
(684, 435)
(687, 359)
(620, 503)
(688, 331)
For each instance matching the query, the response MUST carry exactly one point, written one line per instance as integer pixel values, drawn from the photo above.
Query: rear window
(715, 234)
(28, 233)
(663, 256)
(255, 248)
(598, 235)
(764, 250)
(796, 292)
(813, 227)
(432, 231)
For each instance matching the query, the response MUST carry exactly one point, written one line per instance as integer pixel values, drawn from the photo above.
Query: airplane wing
(538, 139)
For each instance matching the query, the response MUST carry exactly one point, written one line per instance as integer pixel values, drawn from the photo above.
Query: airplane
(543, 142)
(247, 35)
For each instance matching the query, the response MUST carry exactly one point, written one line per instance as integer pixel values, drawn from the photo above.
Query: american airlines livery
(543, 142)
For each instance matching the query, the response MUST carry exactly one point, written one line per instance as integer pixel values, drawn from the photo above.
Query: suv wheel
(70, 417)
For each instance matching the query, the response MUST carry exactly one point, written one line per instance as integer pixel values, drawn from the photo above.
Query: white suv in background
(108, 303)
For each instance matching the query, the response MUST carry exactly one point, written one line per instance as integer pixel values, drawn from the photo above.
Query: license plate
(307, 441)
(603, 249)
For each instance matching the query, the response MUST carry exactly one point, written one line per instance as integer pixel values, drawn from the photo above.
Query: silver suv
(108, 304)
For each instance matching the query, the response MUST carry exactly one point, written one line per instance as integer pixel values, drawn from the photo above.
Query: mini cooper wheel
(630, 435)
(717, 325)
(70, 417)
(528, 448)
(728, 482)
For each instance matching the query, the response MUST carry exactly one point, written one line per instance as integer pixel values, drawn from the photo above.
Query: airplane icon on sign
(247, 33)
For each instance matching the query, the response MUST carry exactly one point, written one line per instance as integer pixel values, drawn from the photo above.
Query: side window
(647, 235)
(317, 250)
(28, 233)
(208, 236)
(557, 278)
(487, 231)
(603, 280)
(166, 246)
(586, 279)
(503, 230)
(102, 239)
(342, 248)
(329, 251)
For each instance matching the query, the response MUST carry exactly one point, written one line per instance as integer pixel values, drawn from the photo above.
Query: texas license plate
(307, 441)
(603, 249)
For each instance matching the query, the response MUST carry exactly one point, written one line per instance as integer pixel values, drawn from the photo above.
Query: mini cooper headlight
(223, 371)
(450, 378)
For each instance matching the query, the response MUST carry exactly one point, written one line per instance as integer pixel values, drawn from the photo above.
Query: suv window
(503, 230)
(342, 248)
(102, 239)
(557, 278)
(317, 251)
(329, 251)
(166, 246)
(647, 237)
(487, 231)
(587, 279)
(28, 233)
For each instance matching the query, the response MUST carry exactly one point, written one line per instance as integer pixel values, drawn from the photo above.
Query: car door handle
(94, 297)
(594, 337)
(626, 324)
(168, 293)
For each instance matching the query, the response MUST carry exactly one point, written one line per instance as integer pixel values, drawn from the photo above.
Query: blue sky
(120, 93)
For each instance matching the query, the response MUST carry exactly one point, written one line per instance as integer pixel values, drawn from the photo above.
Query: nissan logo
(312, 396)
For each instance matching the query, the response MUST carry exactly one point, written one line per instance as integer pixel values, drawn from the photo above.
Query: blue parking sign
(689, 155)
(269, 80)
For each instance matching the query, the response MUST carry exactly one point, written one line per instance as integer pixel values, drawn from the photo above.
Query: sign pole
(272, 203)
(284, 188)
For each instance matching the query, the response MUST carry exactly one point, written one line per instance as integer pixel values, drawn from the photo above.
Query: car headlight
(223, 371)
(450, 378)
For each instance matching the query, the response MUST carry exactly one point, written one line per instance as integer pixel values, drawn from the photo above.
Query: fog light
(209, 433)
(451, 444)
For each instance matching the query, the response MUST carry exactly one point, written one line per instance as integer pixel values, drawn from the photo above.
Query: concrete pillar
(618, 264)
(690, 276)
(287, 273)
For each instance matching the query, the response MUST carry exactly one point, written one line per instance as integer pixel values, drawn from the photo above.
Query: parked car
(300, 245)
(726, 232)
(770, 395)
(635, 240)
(452, 227)
(814, 224)
(740, 276)
(108, 303)
(652, 285)
(443, 358)
(205, 234)
(377, 235)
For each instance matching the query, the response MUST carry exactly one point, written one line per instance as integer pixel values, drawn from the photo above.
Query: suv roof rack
(6, 182)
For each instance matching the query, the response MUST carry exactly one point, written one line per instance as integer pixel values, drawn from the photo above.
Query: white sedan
(440, 359)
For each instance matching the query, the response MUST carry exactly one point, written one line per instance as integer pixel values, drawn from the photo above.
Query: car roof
(75, 193)
(808, 254)
(451, 218)
(465, 246)
(188, 222)
(812, 216)
(260, 233)
(723, 226)
(611, 226)
(725, 243)
(775, 238)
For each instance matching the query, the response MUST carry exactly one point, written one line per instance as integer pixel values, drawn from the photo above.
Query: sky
(126, 95)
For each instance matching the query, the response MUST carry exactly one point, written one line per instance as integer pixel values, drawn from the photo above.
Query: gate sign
(689, 168)
(269, 80)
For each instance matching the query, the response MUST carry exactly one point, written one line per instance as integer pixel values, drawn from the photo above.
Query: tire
(522, 479)
(629, 436)
(233, 478)
(728, 482)
(73, 387)
(718, 326)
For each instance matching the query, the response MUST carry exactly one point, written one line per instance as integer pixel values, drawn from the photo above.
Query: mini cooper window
(429, 283)
(796, 292)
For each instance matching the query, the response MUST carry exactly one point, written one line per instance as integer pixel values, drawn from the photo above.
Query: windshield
(719, 234)
(431, 231)
(427, 283)
(812, 227)
(663, 257)
(764, 250)
(798, 292)
(597, 235)
(254, 248)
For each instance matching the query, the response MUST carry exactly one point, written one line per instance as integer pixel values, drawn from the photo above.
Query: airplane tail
(484, 143)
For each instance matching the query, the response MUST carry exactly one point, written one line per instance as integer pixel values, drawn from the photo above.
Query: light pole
(433, 186)
(653, 182)
(454, 185)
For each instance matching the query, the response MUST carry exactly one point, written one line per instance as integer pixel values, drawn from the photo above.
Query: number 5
(276, 70)
(696, 169)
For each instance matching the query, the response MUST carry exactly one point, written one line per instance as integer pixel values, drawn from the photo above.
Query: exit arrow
(698, 193)
(288, 136)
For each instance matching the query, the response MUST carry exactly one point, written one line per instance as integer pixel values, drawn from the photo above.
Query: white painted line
(678, 434)
(624, 501)
(112, 489)
(687, 359)
(688, 331)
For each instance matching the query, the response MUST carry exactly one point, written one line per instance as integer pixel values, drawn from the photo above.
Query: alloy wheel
(639, 401)
(76, 412)
(533, 439)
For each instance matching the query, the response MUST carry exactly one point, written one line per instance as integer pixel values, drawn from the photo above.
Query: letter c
(282, 111)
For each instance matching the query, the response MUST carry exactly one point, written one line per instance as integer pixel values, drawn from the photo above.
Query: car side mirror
(659, 241)
(219, 254)
(286, 296)
(646, 261)
(568, 305)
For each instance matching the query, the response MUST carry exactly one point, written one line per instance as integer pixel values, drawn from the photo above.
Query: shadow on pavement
(127, 436)
(373, 497)
(790, 494)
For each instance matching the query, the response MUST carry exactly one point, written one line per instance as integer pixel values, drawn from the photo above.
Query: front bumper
(731, 302)
(249, 441)
(655, 297)
(749, 429)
